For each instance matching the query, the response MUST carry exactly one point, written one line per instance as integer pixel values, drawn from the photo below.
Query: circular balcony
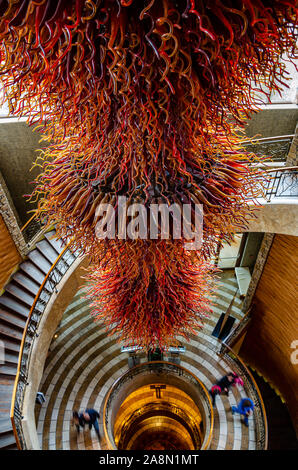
(156, 406)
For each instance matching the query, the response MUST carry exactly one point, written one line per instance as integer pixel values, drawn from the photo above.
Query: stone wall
(10, 218)
(18, 151)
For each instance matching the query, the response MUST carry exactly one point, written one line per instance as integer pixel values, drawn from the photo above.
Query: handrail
(282, 182)
(28, 222)
(283, 168)
(151, 365)
(265, 139)
(260, 411)
(15, 409)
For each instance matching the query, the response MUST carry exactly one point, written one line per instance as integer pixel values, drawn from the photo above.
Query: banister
(32, 230)
(283, 168)
(13, 401)
(253, 140)
(27, 223)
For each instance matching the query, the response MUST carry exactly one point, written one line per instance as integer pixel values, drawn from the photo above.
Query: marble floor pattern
(83, 362)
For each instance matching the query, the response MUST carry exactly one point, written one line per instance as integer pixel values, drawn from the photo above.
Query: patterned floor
(83, 362)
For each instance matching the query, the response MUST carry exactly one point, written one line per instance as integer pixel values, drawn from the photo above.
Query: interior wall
(271, 121)
(268, 344)
(279, 216)
(251, 249)
(9, 255)
(18, 151)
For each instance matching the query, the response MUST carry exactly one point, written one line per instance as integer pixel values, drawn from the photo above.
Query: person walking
(245, 408)
(91, 417)
(78, 421)
(223, 385)
(215, 390)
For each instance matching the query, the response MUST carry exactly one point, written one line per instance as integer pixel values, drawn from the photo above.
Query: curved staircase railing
(158, 367)
(59, 268)
(31, 229)
(237, 365)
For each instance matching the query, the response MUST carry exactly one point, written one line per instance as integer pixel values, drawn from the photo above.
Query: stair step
(6, 383)
(39, 260)
(5, 387)
(20, 294)
(47, 250)
(7, 440)
(32, 271)
(10, 332)
(14, 306)
(13, 320)
(6, 396)
(11, 358)
(26, 283)
(6, 402)
(11, 345)
(5, 426)
(55, 242)
(8, 370)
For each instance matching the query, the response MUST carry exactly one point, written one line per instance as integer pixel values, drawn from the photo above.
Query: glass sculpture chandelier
(147, 100)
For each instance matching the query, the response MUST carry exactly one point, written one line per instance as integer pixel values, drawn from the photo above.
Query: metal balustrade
(283, 184)
(31, 229)
(276, 148)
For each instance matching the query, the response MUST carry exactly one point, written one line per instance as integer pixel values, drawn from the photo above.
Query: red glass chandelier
(145, 99)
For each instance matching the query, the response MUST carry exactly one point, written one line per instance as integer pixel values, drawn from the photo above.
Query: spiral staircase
(15, 305)
(84, 362)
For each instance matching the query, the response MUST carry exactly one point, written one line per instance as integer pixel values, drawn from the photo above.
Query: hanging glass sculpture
(147, 100)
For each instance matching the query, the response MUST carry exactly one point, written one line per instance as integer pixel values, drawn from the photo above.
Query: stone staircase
(15, 304)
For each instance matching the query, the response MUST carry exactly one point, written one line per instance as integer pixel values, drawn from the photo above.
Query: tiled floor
(83, 362)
